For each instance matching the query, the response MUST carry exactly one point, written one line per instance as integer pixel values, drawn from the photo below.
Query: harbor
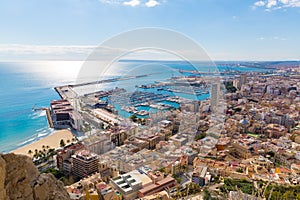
(114, 105)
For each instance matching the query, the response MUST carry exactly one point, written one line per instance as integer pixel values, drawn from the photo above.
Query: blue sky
(227, 29)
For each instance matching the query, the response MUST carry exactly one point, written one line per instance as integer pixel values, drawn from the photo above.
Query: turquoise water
(25, 84)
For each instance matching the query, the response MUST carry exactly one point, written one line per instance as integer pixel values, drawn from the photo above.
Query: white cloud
(272, 38)
(111, 1)
(135, 3)
(44, 49)
(261, 38)
(132, 3)
(259, 3)
(48, 52)
(152, 3)
(235, 18)
(276, 4)
(284, 1)
(271, 3)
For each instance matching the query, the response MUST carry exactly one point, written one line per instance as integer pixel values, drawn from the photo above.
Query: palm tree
(184, 167)
(51, 153)
(36, 153)
(30, 152)
(40, 153)
(62, 143)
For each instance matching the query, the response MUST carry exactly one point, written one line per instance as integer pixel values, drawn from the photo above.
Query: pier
(67, 92)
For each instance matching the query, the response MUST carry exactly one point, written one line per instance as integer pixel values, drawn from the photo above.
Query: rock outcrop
(20, 179)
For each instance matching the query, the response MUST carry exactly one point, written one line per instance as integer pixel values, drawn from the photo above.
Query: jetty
(67, 92)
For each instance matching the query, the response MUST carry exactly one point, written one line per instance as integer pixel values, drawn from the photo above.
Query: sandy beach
(53, 141)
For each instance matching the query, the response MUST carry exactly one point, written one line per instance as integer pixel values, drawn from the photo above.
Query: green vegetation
(133, 118)
(200, 136)
(136, 119)
(272, 192)
(62, 143)
(175, 129)
(161, 169)
(282, 192)
(55, 172)
(232, 184)
(253, 135)
(217, 179)
(240, 170)
(207, 195)
(30, 152)
(230, 88)
(177, 178)
(190, 189)
(40, 156)
(67, 180)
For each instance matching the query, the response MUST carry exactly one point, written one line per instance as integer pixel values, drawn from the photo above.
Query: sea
(26, 85)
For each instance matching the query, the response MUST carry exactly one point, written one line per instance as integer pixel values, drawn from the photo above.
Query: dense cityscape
(150, 100)
(183, 149)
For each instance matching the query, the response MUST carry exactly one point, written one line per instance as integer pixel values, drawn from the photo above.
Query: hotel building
(84, 163)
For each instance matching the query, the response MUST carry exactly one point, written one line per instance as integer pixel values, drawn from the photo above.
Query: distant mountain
(260, 64)
(255, 64)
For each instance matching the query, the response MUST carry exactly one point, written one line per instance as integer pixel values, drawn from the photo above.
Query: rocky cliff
(20, 179)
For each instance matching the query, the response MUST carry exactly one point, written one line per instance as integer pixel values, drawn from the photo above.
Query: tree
(288, 195)
(200, 136)
(62, 143)
(240, 170)
(184, 168)
(30, 152)
(162, 169)
(36, 153)
(207, 195)
(133, 118)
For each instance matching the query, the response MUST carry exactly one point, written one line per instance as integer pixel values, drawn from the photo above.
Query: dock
(67, 91)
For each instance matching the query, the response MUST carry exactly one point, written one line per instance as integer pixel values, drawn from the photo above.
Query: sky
(226, 29)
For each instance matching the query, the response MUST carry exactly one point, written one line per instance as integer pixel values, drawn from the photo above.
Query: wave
(38, 114)
(40, 129)
(27, 141)
(42, 134)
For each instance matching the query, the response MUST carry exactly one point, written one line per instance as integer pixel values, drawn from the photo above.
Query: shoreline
(52, 141)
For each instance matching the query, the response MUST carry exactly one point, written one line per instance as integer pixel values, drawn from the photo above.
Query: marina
(146, 99)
